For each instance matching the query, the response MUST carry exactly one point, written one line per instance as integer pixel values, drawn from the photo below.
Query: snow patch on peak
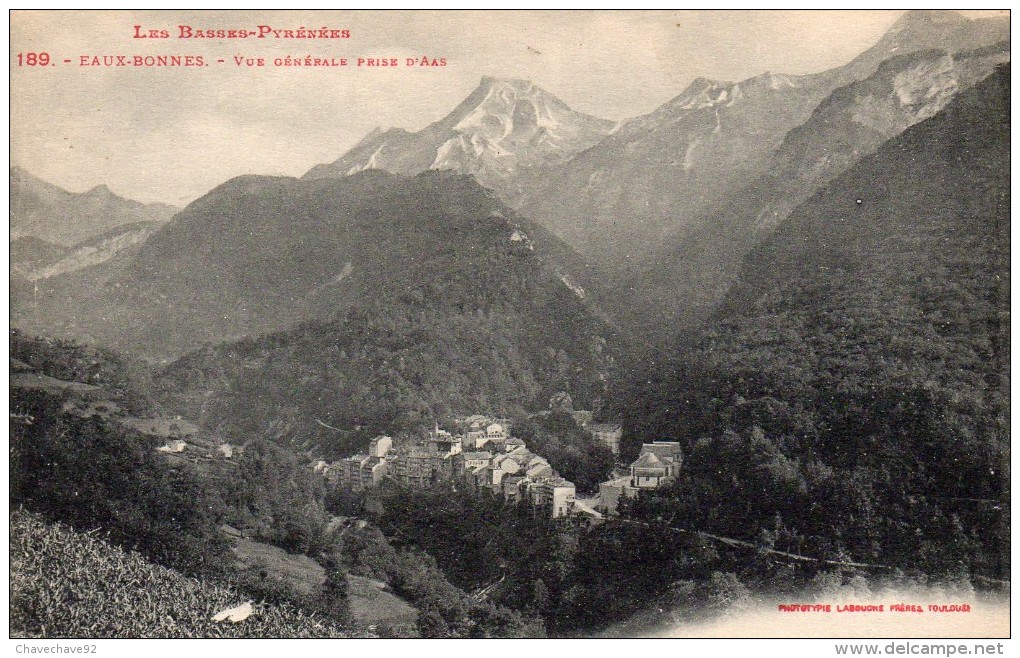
(919, 92)
(773, 82)
(371, 163)
(493, 82)
(780, 81)
(514, 123)
(703, 93)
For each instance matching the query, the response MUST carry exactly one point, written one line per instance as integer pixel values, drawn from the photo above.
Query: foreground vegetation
(70, 584)
(93, 472)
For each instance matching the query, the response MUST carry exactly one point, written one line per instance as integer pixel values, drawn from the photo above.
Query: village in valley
(482, 455)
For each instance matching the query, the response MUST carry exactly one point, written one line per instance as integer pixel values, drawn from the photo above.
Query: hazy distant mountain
(32, 261)
(682, 286)
(258, 254)
(499, 131)
(660, 176)
(47, 212)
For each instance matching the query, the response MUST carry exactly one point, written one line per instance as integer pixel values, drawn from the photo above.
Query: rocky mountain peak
(494, 82)
(702, 92)
(504, 125)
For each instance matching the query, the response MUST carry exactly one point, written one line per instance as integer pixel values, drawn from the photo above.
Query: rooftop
(664, 450)
(648, 460)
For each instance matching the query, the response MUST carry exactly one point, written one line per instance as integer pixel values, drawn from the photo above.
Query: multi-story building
(357, 472)
(658, 464)
(480, 430)
(379, 446)
(514, 488)
(418, 466)
(466, 461)
(444, 444)
(555, 494)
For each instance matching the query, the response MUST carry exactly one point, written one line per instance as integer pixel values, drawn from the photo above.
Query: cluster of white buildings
(482, 455)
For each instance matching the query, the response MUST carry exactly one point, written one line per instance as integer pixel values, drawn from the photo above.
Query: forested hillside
(853, 394)
(486, 325)
(259, 254)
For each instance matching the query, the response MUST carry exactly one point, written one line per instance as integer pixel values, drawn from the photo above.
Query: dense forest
(485, 330)
(852, 396)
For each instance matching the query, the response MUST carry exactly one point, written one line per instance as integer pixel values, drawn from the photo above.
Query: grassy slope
(67, 584)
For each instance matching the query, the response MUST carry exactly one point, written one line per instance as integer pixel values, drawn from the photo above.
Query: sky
(172, 134)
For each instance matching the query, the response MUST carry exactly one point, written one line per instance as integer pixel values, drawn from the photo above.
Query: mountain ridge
(48, 212)
(258, 254)
(503, 126)
(686, 279)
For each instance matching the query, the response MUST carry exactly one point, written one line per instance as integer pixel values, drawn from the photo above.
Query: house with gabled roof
(658, 464)
(512, 444)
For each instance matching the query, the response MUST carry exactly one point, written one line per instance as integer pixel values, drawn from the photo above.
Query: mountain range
(258, 254)
(665, 206)
(49, 213)
(660, 177)
(53, 231)
(684, 282)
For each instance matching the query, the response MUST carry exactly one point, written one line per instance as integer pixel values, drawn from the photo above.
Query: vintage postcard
(511, 324)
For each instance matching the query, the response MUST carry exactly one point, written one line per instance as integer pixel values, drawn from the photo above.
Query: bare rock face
(85, 254)
(683, 285)
(503, 128)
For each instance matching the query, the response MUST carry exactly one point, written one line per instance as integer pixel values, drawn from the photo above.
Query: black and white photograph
(531, 324)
